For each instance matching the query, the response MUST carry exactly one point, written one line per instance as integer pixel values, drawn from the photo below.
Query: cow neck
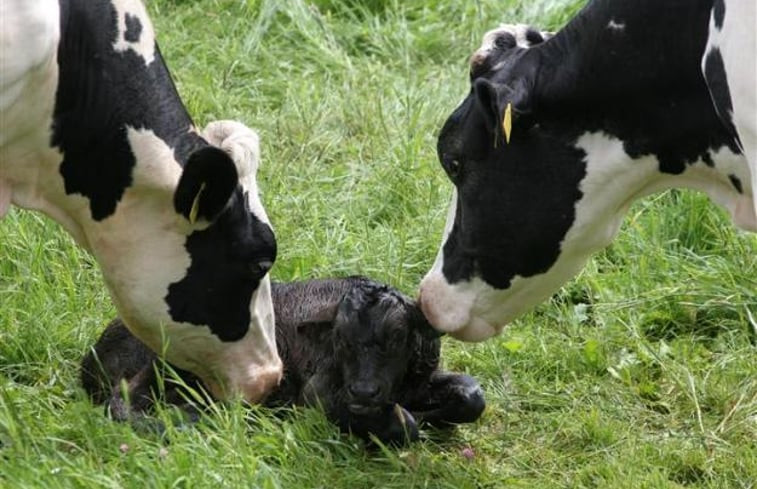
(609, 50)
(635, 100)
(112, 83)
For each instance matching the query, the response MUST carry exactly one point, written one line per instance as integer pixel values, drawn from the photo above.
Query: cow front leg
(448, 399)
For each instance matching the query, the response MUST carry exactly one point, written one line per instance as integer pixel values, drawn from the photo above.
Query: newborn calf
(360, 349)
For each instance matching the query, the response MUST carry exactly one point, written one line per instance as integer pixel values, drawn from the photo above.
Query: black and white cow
(555, 141)
(94, 135)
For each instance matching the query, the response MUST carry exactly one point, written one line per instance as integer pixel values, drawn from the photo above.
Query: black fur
(359, 349)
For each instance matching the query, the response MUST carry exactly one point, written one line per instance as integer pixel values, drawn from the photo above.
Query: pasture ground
(640, 373)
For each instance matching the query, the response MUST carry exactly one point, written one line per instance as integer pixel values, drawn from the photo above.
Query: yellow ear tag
(196, 205)
(507, 122)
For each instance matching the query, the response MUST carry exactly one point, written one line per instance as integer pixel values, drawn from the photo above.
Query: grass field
(640, 373)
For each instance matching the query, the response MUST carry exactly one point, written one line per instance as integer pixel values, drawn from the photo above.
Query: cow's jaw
(473, 310)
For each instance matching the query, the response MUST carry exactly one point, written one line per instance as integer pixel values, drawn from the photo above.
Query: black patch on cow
(223, 275)
(533, 36)
(100, 94)
(717, 82)
(718, 13)
(133, 28)
(736, 182)
(505, 40)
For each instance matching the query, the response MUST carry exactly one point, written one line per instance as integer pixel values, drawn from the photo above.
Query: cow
(94, 135)
(359, 349)
(558, 137)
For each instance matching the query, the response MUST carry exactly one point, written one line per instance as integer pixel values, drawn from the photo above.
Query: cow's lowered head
(556, 140)
(95, 135)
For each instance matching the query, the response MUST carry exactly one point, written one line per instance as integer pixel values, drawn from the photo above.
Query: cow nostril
(265, 266)
(365, 391)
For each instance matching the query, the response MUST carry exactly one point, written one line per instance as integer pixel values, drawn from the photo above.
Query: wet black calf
(359, 349)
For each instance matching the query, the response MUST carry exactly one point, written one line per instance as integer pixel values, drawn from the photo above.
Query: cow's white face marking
(518, 32)
(135, 31)
(473, 310)
(243, 145)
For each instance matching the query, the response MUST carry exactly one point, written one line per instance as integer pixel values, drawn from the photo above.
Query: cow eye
(260, 268)
(452, 167)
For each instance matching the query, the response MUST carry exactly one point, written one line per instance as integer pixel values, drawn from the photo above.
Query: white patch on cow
(156, 166)
(28, 79)
(28, 74)
(145, 46)
(616, 26)
(243, 145)
(474, 311)
(488, 43)
(447, 304)
(737, 42)
(28, 46)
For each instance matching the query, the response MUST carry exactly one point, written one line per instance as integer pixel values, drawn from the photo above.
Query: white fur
(613, 25)
(243, 145)
(517, 30)
(738, 45)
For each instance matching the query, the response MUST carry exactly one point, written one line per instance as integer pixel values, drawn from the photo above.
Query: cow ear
(206, 184)
(503, 107)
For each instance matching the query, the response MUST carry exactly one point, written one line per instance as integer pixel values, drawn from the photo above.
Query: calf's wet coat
(360, 350)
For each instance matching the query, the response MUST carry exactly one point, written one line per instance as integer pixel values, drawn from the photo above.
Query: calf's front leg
(447, 399)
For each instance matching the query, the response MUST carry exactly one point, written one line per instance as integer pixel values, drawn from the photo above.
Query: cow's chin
(254, 388)
(446, 306)
(453, 308)
(476, 330)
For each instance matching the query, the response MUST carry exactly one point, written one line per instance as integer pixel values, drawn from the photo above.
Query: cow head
(554, 142)
(514, 200)
(102, 143)
(186, 256)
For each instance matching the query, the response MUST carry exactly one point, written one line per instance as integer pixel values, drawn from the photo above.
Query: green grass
(640, 373)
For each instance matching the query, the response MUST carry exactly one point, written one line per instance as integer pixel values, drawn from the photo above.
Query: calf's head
(380, 340)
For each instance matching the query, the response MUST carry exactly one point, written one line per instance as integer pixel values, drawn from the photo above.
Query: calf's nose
(364, 391)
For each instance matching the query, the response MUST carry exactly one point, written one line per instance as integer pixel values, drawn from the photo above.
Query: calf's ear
(206, 184)
(421, 325)
(504, 108)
